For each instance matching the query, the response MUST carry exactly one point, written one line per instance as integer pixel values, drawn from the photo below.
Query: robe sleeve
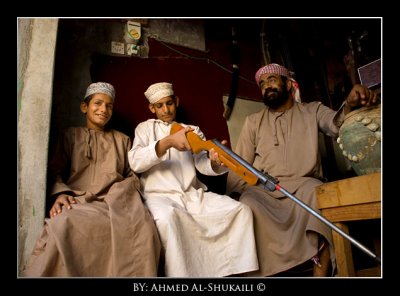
(328, 120)
(143, 154)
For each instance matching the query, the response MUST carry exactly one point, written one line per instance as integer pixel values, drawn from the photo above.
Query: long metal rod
(271, 184)
(327, 222)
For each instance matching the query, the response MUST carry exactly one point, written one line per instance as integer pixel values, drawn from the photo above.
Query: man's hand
(63, 200)
(361, 96)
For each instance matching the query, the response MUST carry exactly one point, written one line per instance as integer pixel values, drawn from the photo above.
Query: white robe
(203, 234)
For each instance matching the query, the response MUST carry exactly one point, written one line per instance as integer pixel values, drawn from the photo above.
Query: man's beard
(275, 97)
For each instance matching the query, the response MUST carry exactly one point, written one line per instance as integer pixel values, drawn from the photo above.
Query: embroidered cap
(159, 90)
(102, 88)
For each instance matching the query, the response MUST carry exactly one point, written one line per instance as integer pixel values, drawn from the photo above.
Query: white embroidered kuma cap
(102, 88)
(157, 91)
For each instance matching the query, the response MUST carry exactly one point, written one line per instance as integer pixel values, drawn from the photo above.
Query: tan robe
(285, 145)
(109, 232)
(203, 234)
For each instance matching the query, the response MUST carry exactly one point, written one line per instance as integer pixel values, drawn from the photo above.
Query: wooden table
(352, 199)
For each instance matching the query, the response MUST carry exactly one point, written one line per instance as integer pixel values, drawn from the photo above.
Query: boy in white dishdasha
(203, 234)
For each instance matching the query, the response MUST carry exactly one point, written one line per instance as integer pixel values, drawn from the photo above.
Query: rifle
(197, 145)
(253, 176)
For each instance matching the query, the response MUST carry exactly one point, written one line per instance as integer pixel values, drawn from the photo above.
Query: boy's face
(98, 111)
(165, 109)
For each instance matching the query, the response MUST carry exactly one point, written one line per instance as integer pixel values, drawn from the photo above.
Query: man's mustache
(268, 91)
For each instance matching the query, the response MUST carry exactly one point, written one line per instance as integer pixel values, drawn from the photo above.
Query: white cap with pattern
(157, 91)
(102, 88)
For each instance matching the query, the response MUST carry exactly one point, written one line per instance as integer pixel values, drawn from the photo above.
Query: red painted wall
(200, 85)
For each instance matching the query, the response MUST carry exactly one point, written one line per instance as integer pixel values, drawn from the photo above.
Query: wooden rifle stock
(197, 145)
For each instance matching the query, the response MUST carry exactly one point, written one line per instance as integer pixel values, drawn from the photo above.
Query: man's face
(273, 90)
(165, 109)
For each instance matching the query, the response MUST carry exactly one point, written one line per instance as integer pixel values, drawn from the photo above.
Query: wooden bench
(352, 199)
